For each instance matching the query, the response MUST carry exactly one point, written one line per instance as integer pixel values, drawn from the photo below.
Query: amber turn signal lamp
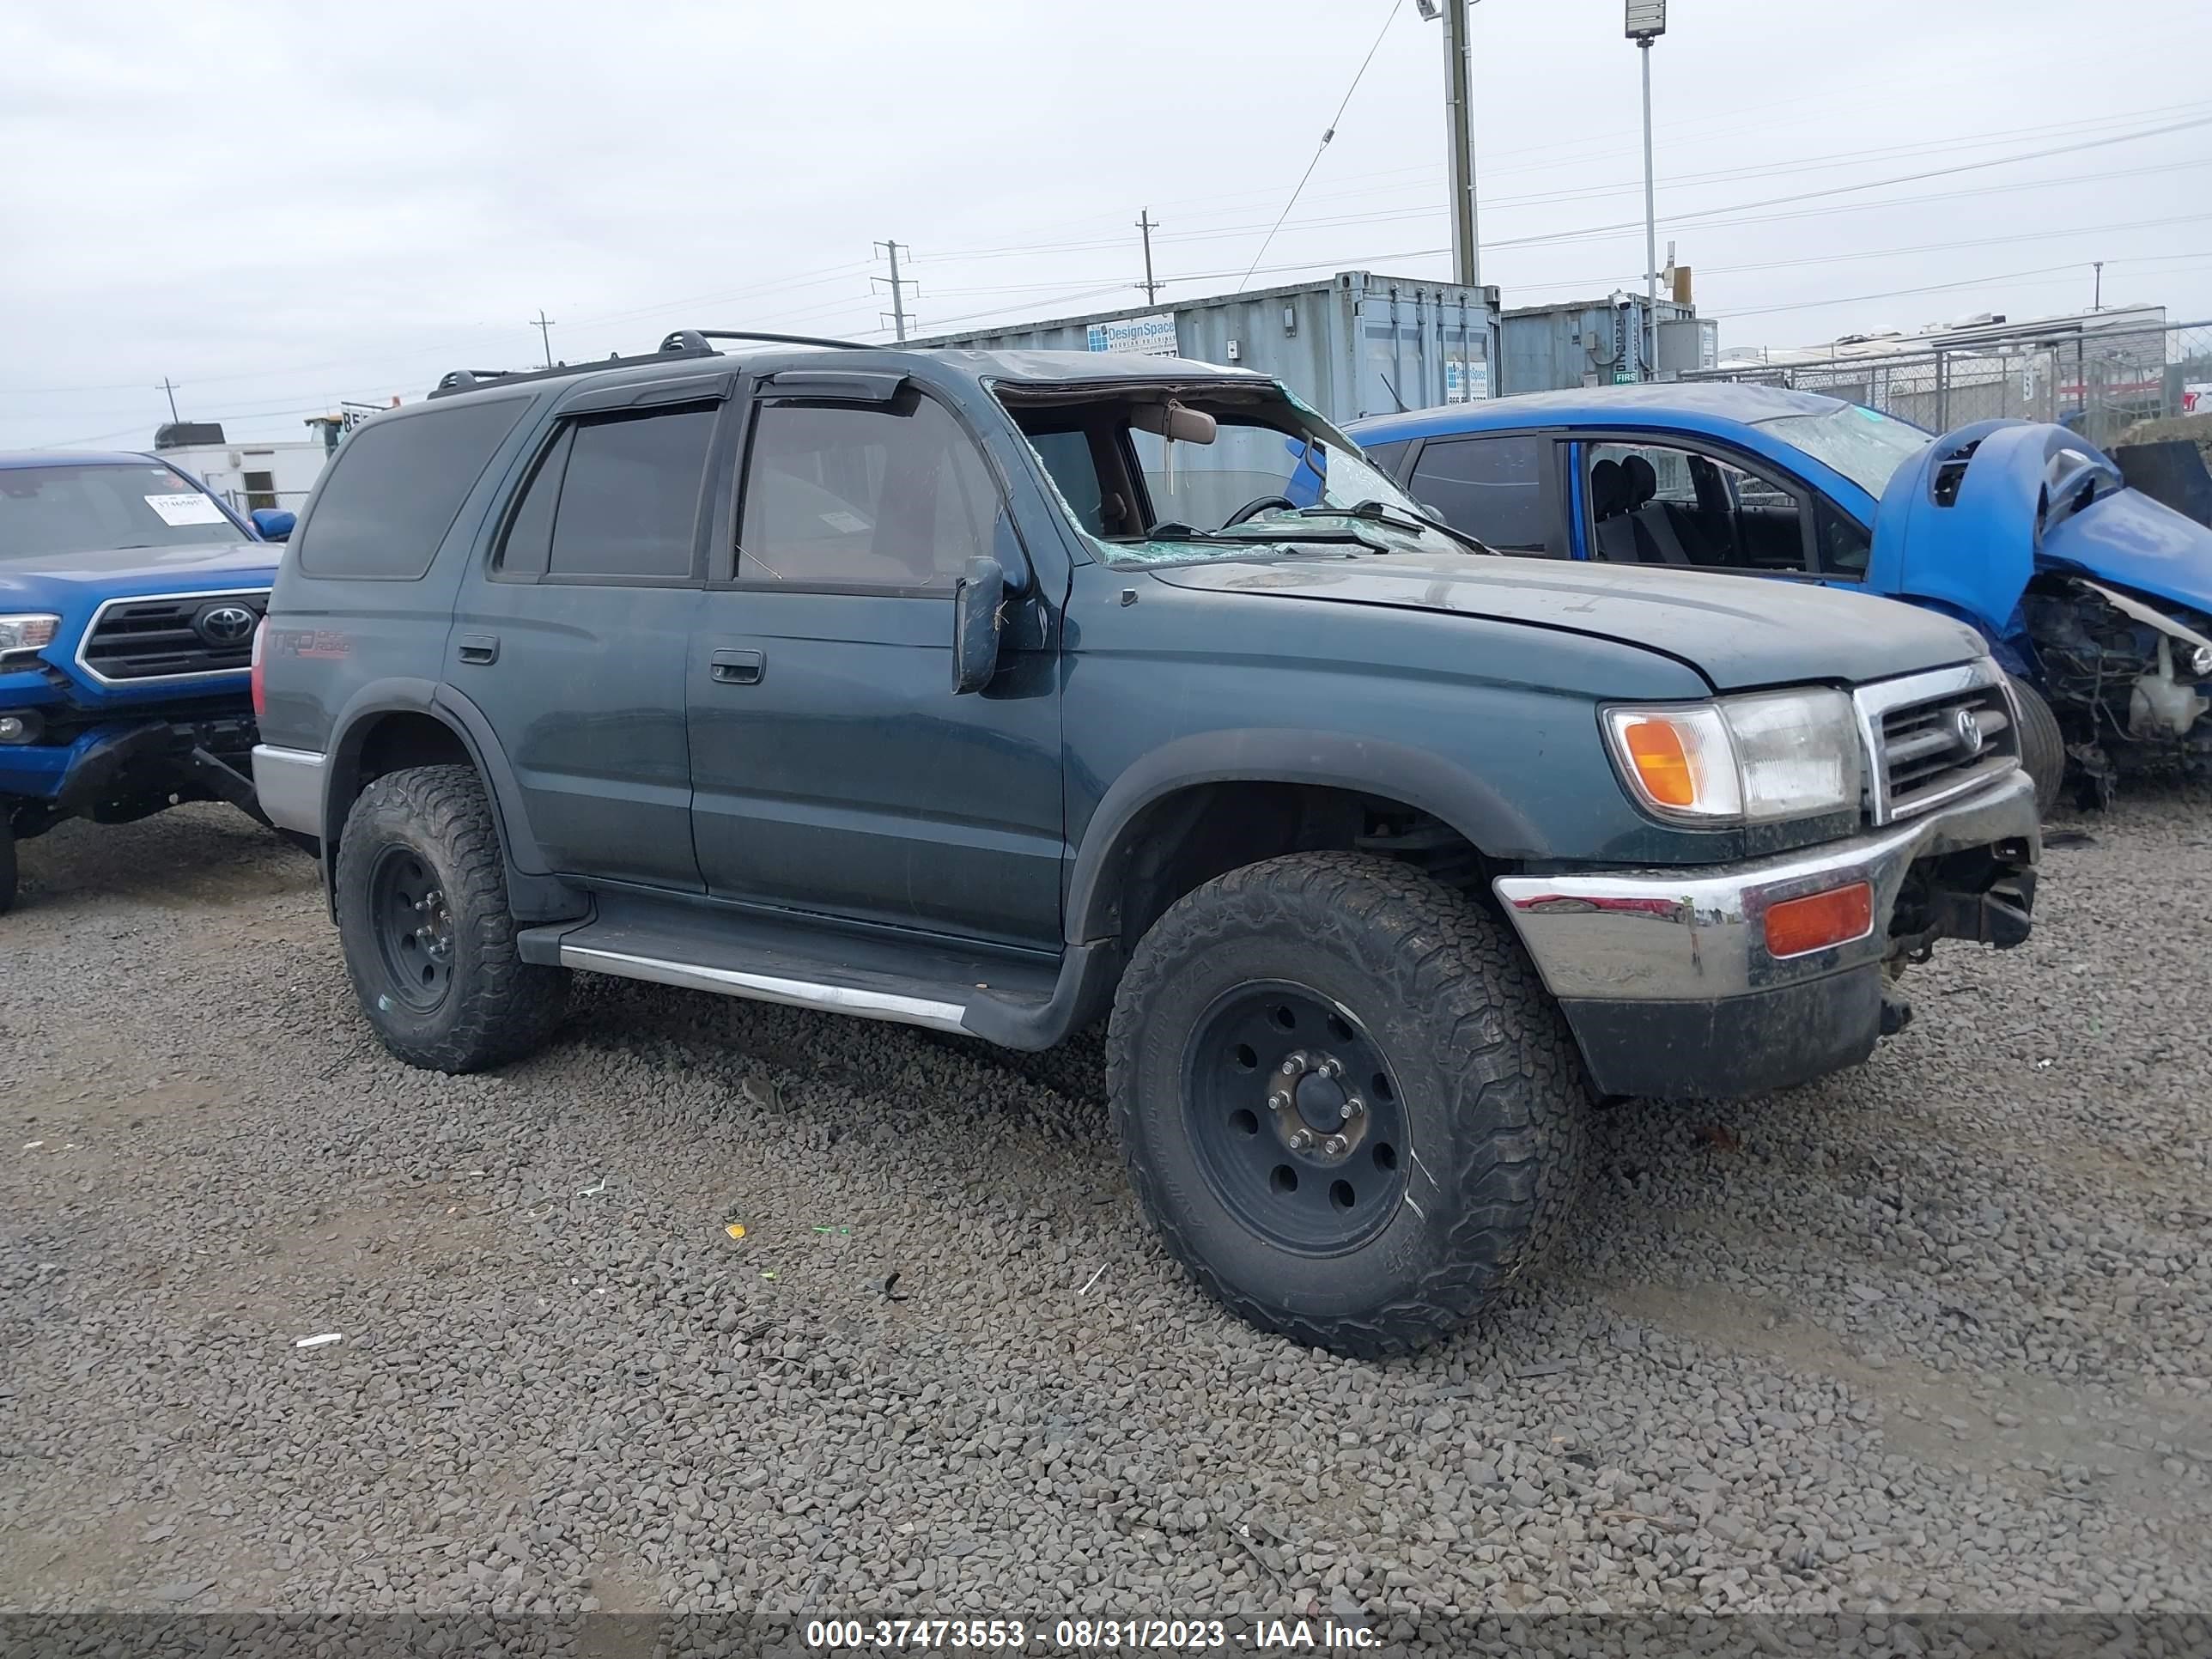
(1661, 763)
(1819, 919)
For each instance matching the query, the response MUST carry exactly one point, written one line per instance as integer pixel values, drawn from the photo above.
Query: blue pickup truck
(129, 598)
(2095, 598)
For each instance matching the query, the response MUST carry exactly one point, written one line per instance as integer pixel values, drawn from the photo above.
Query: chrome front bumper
(289, 783)
(1698, 934)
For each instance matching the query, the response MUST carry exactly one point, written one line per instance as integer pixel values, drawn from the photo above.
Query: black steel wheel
(414, 926)
(1348, 1104)
(1295, 1118)
(420, 887)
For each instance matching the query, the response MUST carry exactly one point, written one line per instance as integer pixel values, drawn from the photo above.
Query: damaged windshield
(1864, 445)
(1186, 473)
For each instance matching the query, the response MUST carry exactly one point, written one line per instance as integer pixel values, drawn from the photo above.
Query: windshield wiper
(1379, 512)
(1183, 532)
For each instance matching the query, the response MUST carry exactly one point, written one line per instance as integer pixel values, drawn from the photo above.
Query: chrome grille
(1935, 736)
(172, 636)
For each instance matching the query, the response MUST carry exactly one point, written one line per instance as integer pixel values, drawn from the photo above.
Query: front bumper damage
(114, 774)
(2131, 685)
(1666, 978)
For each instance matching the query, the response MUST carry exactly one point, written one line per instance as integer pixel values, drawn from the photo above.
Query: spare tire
(2042, 745)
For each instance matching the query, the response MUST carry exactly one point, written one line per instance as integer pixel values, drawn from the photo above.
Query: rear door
(572, 638)
(835, 769)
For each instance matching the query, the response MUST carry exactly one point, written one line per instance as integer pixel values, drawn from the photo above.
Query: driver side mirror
(273, 523)
(975, 622)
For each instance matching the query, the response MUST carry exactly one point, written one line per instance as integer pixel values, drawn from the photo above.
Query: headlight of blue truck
(22, 636)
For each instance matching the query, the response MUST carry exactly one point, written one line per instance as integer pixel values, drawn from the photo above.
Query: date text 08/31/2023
(1087, 1635)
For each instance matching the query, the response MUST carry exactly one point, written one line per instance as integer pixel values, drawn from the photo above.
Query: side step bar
(770, 988)
(1017, 1001)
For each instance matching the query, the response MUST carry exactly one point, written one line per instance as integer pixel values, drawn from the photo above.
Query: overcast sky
(280, 205)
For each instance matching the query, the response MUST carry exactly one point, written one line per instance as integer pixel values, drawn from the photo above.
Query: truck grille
(173, 636)
(1935, 736)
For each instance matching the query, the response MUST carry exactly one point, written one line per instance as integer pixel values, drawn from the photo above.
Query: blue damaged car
(130, 596)
(2094, 597)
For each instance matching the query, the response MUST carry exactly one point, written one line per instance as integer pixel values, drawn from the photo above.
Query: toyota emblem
(224, 625)
(1966, 731)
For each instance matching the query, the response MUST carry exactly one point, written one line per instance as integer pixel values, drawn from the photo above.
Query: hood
(76, 577)
(1967, 522)
(1739, 632)
(2130, 539)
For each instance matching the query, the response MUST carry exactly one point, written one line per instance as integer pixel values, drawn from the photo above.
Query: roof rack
(684, 338)
(683, 342)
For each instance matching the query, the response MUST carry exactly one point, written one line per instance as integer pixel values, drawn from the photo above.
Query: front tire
(422, 917)
(2042, 745)
(7, 862)
(1349, 1107)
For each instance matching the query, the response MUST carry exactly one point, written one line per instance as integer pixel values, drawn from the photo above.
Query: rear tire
(422, 917)
(2042, 745)
(7, 862)
(1408, 1210)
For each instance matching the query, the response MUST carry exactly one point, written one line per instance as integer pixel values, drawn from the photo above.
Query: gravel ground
(1931, 1335)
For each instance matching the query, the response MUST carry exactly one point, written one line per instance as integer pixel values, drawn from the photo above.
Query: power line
(1328, 132)
(1584, 191)
(2070, 266)
(544, 326)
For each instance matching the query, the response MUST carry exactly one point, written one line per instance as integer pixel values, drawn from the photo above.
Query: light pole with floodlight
(1647, 22)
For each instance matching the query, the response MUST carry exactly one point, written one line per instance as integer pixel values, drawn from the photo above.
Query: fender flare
(533, 892)
(1337, 760)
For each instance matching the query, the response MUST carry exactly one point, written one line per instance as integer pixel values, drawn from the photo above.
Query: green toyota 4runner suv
(1008, 693)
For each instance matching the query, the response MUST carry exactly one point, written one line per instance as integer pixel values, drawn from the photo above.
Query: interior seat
(1654, 529)
(1610, 493)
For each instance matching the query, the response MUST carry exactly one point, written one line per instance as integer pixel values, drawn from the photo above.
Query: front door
(572, 640)
(835, 769)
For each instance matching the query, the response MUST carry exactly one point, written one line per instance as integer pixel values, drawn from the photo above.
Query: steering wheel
(1253, 509)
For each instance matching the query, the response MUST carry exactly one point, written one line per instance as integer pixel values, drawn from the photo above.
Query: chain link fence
(2099, 381)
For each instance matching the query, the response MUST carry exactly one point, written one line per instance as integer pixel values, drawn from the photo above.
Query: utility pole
(1148, 224)
(1467, 250)
(543, 325)
(898, 285)
(172, 391)
(2097, 265)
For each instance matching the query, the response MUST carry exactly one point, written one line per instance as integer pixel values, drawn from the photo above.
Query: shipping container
(1600, 342)
(1351, 345)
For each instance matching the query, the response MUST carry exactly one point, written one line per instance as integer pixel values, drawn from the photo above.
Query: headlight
(1740, 760)
(21, 636)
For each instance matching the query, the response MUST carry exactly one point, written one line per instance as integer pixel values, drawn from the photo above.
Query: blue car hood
(83, 579)
(1968, 531)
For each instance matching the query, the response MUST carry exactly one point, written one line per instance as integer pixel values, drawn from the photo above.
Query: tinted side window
(863, 495)
(1391, 457)
(1492, 488)
(530, 533)
(629, 502)
(394, 488)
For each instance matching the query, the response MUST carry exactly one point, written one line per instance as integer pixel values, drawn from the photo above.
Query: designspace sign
(1148, 336)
